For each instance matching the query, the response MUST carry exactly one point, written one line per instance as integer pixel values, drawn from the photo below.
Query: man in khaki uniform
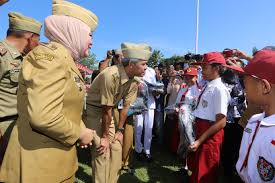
(109, 87)
(128, 127)
(50, 103)
(22, 37)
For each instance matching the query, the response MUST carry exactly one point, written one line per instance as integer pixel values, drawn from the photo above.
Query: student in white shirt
(210, 114)
(185, 102)
(257, 153)
(191, 90)
(146, 119)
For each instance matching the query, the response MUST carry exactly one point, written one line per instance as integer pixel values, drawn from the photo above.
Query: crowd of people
(217, 109)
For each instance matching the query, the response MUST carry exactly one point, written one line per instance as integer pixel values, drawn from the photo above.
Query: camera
(113, 52)
(191, 56)
(229, 52)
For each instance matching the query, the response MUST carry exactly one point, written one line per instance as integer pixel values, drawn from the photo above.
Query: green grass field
(162, 170)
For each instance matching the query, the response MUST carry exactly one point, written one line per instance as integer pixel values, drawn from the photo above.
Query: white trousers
(146, 119)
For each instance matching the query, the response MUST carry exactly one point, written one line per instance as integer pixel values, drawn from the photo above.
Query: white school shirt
(192, 94)
(261, 159)
(213, 101)
(150, 77)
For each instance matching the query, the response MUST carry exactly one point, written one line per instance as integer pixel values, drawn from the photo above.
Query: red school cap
(191, 71)
(212, 58)
(262, 65)
(217, 58)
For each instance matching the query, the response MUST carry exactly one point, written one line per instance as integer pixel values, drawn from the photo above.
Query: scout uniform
(213, 100)
(256, 161)
(50, 103)
(10, 66)
(108, 88)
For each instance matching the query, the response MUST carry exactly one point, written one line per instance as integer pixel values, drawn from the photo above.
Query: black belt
(8, 118)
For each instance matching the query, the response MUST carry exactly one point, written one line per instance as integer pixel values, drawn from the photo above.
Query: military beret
(18, 21)
(61, 7)
(136, 51)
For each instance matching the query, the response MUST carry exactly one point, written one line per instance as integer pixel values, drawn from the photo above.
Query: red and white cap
(190, 71)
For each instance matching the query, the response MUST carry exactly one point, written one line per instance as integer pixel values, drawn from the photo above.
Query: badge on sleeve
(204, 103)
(265, 169)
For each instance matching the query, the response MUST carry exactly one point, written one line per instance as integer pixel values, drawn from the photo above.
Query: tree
(90, 61)
(172, 60)
(155, 58)
(254, 50)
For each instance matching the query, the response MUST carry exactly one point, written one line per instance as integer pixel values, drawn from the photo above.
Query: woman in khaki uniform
(50, 102)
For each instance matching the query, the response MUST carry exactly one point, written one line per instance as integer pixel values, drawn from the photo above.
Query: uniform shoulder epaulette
(3, 50)
(49, 45)
(137, 79)
(40, 53)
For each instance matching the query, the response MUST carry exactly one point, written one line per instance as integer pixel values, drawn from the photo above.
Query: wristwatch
(121, 130)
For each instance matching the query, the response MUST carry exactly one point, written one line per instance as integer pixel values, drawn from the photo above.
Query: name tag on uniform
(248, 130)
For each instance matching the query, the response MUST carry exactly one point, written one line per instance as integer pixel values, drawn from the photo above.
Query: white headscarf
(70, 32)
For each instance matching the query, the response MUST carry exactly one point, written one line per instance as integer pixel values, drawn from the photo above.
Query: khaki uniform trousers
(127, 146)
(5, 132)
(128, 140)
(106, 167)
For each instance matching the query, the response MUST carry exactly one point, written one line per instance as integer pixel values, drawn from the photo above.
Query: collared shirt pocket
(14, 74)
(14, 68)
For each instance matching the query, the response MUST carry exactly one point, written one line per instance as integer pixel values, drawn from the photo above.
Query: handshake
(88, 137)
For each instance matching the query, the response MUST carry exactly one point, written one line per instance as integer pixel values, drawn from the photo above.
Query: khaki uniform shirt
(112, 85)
(10, 66)
(50, 103)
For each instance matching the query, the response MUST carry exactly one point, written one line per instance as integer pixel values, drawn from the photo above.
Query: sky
(167, 25)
